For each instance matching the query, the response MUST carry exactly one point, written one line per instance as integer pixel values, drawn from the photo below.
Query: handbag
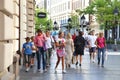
(61, 52)
(106, 55)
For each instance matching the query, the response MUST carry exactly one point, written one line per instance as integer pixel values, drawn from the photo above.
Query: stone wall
(16, 23)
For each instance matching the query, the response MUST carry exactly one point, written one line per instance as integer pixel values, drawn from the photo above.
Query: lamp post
(82, 22)
(55, 25)
(88, 27)
(69, 24)
(48, 25)
(116, 12)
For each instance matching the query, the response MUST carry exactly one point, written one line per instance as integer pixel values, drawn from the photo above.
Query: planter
(113, 47)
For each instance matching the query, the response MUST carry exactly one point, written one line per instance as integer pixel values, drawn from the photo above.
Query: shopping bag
(106, 55)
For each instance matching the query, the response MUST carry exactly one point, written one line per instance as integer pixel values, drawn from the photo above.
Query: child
(27, 52)
(33, 51)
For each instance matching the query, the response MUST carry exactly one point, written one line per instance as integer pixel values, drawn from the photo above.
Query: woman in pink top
(100, 42)
(40, 43)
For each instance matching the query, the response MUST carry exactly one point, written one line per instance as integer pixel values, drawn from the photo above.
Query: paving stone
(88, 70)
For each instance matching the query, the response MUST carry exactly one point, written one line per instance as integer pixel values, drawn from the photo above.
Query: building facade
(61, 10)
(41, 4)
(16, 23)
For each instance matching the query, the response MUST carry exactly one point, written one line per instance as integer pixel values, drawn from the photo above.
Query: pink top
(101, 42)
(39, 40)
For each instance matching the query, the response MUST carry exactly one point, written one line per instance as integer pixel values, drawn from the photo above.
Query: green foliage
(89, 9)
(111, 42)
(42, 23)
(104, 11)
(75, 21)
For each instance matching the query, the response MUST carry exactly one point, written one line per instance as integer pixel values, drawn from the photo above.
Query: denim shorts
(92, 49)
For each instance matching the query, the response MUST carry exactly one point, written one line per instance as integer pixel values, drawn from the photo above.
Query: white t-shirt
(92, 39)
(33, 47)
(48, 42)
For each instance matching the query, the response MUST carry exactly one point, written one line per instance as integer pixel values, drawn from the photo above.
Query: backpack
(77, 41)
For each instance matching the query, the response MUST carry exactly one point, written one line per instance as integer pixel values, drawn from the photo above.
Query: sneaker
(76, 63)
(69, 65)
(93, 61)
(27, 69)
(45, 70)
(98, 63)
(102, 66)
(80, 65)
(31, 65)
(63, 71)
(39, 70)
(55, 71)
(48, 66)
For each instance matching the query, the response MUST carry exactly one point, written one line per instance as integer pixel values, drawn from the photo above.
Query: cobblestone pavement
(88, 70)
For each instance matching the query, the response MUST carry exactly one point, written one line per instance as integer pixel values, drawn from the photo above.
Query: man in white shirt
(92, 38)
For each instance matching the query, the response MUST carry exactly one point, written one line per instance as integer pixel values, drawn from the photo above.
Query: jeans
(40, 53)
(99, 55)
(48, 55)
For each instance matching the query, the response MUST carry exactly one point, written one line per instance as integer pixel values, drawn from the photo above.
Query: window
(68, 4)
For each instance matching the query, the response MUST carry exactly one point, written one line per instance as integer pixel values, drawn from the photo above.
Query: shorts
(92, 49)
(33, 55)
(27, 58)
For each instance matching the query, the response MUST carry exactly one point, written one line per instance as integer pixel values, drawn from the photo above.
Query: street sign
(41, 15)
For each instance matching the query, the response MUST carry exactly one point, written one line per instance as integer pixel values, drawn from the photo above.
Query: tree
(103, 10)
(42, 23)
(75, 21)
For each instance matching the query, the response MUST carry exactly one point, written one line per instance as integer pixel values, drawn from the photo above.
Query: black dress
(79, 44)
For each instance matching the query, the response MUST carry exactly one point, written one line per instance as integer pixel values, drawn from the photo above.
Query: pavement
(88, 70)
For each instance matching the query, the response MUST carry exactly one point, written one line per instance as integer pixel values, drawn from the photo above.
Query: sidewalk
(88, 70)
(112, 52)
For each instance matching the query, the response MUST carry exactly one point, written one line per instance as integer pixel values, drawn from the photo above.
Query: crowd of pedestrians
(68, 49)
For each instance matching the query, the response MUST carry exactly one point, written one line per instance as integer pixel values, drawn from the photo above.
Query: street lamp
(48, 25)
(88, 26)
(88, 29)
(55, 26)
(116, 12)
(69, 23)
(82, 22)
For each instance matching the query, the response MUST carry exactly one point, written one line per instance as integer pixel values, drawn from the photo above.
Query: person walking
(69, 48)
(27, 52)
(39, 41)
(48, 44)
(92, 47)
(101, 44)
(60, 47)
(74, 36)
(33, 51)
(79, 46)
